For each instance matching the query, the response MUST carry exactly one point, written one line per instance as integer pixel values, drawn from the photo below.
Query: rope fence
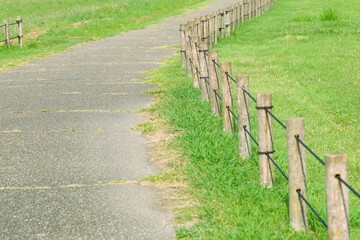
(215, 81)
(10, 33)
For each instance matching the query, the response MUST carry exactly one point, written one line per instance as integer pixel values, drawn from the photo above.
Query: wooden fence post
(233, 17)
(214, 84)
(227, 103)
(7, 32)
(246, 10)
(211, 30)
(227, 22)
(188, 49)
(252, 9)
(183, 44)
(195, 60)
(216, 28)
(203, 49)
(202, 29)
(257, 8)
(207, 30)
(196, 29)
(337, 197)
(238, 15)
(222, 23)
(241, 12)
(297, 173)
(266, 145)
(244, 116)
(20, 31)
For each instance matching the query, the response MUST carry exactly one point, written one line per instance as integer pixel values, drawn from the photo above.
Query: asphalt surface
(69, 161)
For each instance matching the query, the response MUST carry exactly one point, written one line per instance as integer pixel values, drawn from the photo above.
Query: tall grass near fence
(296, 52)
(52, 26)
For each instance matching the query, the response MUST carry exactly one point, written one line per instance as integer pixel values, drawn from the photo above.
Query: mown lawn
(52, 26)
(306, 54)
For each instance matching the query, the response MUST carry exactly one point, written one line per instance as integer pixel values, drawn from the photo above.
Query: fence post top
(263, 100)
(18, 19)
(336, 158)
(225, 65)
(263, 95)
(213, 55)
(194, 38)
(294, 120)
(242, 76)
(203, 46)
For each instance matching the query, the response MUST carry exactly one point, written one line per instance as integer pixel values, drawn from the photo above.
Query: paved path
(69, 160)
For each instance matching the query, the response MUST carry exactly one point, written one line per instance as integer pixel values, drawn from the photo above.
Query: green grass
(306, 56)
(52, 26)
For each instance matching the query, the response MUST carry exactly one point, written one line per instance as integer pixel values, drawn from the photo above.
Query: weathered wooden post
(211, 30)
(262, 6)
(222, 22)
(183, 44)
(246, 10)
(214, 84)
(20, 31)
(238, 15)
(244, 115)
(297, 173)
(253, 8)
(337, 197)
(7, 32)
(227, 22)
(266, 145)
(233, 17)
(203, 49)
(216, 28)
(202, 28)
(206, 30)
(188, 49)
(195, 60)
(190, 27)
(196, 29)
(252, 4)
(227, 103)
(242, 12)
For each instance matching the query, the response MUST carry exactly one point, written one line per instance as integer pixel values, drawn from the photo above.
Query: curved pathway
(69, 161)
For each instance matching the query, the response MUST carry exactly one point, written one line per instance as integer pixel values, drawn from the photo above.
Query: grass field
(306, 54)
(52, 26)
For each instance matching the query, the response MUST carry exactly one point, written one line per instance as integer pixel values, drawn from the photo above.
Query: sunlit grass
(307, 57)
(52, 26)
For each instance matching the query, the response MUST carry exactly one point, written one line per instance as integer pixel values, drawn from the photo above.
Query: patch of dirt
(33, 35)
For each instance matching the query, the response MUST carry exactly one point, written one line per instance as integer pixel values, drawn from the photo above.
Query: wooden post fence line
(9, 35)
(215, 79)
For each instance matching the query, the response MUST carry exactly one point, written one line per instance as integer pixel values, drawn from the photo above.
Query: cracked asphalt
(69, 161)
